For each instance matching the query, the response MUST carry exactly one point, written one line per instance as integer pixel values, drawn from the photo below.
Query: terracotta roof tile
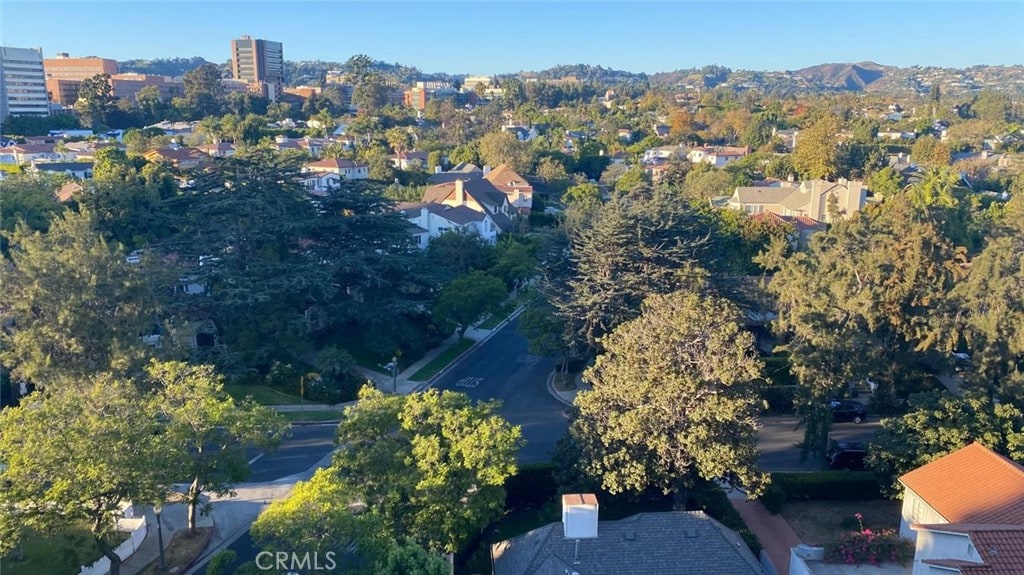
(971, 485)
(1001, 550)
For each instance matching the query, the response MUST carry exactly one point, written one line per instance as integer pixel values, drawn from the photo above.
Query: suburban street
(779, 441)
(301, 448)
(502, 368)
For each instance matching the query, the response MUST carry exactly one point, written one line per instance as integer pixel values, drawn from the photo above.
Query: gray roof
(763, 195)
(446, 177)
(672, 543)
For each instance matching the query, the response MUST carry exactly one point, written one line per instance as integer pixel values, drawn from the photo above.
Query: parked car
(848, 410)
(846, 454)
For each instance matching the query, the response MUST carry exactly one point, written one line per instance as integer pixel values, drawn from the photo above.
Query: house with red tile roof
(346, 168)
(965, 512)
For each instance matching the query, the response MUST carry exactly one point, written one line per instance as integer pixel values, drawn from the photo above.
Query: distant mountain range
(841, 77)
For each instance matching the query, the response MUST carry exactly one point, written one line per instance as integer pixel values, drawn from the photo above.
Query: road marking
(253, 460)
(470, 382)
(526, 359)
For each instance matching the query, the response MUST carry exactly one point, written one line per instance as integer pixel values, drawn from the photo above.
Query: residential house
(218, 150)
(68, 191)
(175, 128)
(431, 220)
(184, 158)
(85, 151)
(663, 153)
(788, 137)
(320, 183)
(508, 182)
(717, 156)
(347, 168)
(803, 227)
(810, 199)
(79, 170)
(464, 171)
(410, 160)
(662, 130)
(895, 135)
(963, 511)
(28, 153)
(972, 485)
(668, 543)
(478, 195)
(522, 133)
(625, 135)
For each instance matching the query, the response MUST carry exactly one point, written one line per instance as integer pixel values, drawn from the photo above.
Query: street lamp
(393, 370)
(157, 509)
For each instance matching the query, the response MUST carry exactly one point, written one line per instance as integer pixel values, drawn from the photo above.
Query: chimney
(437, 169)
(579, 515)
(460, 193)
(487, 170)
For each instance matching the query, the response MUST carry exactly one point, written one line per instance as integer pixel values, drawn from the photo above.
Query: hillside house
(810, 199)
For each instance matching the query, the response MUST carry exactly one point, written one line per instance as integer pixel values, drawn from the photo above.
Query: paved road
(301, 448)
(502, 368)
(780, 440)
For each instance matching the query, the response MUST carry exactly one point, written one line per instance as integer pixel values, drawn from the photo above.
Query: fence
(137, 527)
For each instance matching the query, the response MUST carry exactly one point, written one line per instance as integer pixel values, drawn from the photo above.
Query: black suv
(847, 410)
(846, 454)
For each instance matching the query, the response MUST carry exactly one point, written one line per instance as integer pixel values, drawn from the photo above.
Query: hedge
(828, 485)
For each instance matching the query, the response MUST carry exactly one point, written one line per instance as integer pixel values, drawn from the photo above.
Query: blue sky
(495, 37)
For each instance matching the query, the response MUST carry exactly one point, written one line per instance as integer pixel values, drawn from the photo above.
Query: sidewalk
(567, 396)
(774, 533)
(173, 518)
(405, 386)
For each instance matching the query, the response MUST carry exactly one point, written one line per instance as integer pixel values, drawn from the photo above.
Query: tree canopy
(672, 399)
(431, 465)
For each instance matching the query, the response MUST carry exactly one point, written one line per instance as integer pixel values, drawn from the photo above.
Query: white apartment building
(22, 83)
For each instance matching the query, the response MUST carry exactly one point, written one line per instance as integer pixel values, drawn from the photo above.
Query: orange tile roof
(971, 485)
(1001, 550)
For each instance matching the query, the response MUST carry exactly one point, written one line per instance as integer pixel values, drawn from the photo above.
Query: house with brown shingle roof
(518, 190)
(479, 195)
(965, 512)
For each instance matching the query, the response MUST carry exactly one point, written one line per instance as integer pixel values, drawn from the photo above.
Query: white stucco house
(965, 513)
(346, 168)
(717, 156)
(432, 220)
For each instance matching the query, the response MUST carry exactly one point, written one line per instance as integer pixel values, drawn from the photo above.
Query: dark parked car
(848, 410)
(846, 454)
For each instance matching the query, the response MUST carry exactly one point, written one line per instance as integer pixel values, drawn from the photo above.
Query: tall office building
(22, 83)
(260, 63)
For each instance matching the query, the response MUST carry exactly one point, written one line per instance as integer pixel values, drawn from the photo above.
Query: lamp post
(157, 509)
(394, 374)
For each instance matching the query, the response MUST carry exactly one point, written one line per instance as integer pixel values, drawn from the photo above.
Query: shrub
(828, 485)
(221, 562)
(849, 523)
(864, 546)
(773, 499)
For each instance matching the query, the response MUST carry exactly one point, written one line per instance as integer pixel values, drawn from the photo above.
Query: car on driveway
(846, 454)
(848, 410)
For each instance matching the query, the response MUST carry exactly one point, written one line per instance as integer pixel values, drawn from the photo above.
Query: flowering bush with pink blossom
(867, 546)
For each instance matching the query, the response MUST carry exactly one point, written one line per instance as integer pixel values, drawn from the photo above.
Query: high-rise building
(64, 67)
(22, 83)
(260, 63)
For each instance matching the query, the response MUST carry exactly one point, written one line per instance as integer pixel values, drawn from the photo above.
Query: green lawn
(442, 360)
(62, 553)
(290, 416)
(261, 394)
